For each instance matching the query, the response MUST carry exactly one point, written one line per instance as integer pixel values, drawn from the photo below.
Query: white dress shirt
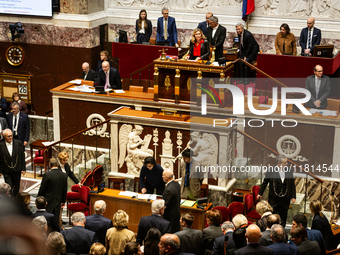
(15, 125)
(214, 31)
(10, 148)
(142, 30)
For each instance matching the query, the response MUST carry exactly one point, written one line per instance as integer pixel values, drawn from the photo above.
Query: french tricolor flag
(248, 7)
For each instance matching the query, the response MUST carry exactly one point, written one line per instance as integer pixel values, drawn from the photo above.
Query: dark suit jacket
(315, 235)
(172, 198)
(321, 223)
(250, 47)
(205, 50)
(218, 40)
(114, 78)
(218, 248)
(191, 240)
(265, 239)
(23, 126)
(152, 221)
(99, 224)
(254, 249)
(324, 91)
(148, 31)
(70, 173)
(280, 248)
(304, 39)
(209, 235)
(54, 188)
(17, 151)
(203, 26)
(3, 106)
(3, 124)
(307, 247)
(79, 240)
(91, 75)
(275, 183)
(172, 31)
(51, 220)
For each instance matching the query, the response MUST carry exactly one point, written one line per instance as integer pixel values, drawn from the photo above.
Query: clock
(15, 55)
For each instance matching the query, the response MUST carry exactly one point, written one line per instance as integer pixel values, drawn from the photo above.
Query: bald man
(172, 198)
(253, 235)
(309, 37)
(205, 24)
(170, 244)
(109, 77)
(88, 73)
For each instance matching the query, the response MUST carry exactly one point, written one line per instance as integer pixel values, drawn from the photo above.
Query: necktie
(107, 81)
(15, 121)
(166, 30)
(317, 87)
(309, 39)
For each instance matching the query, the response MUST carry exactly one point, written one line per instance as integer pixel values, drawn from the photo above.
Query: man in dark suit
(281, 187)
(97, 222)
(253, 234)
(114, 81)
(18, 122)
(305, 246)
(248, 50)
(219, 242)
(170, 244)
(309, 37)
(88, 74)
(79, 239)
(172, 198)
(3, 106)
(191, 239)
(12, 162)
(279, 246)
(3, 126)
(52, 223)
(166, 29)
(266, 238)
(319, 86)
(216, 35)
(205, 24)
(153, 221)
(54, 188)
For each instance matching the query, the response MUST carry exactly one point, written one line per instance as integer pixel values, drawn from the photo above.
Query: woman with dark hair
(285, 43)
(199, 46)
(22, 105)
(214, 220)
(150, 177)
(143, 27)
(132, 248)
(321, 223)
(24, 199)
(151, 241)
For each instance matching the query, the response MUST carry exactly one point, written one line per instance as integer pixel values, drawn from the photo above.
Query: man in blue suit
(205, 24)
(166, 28)
(279, 247)
(18, 122)
(309, 37)
(97, 222)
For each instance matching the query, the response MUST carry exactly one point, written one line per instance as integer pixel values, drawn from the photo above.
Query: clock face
(15, 55)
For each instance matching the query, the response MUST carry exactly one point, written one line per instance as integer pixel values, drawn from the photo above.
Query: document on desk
(47, 143)
(265, 105)
(329, 113)
(77, 81)
(313, 110)
(188, 203)
(128, 193)
(119, 91)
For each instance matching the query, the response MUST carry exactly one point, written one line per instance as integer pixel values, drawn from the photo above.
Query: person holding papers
(199, 46)
(150, 177)
(109, 77)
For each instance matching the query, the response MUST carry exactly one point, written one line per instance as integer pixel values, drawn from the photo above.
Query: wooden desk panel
(139, 208)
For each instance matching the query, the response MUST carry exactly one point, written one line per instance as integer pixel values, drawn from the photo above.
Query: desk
(240, 198)
(38, 145)
(140, 208)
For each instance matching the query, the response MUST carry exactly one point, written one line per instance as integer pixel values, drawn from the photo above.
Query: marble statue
(135, 147)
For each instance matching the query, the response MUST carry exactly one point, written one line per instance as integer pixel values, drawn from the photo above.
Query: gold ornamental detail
(167, 83)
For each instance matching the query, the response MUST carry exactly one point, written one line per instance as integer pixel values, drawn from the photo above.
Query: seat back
(224, 211)
(248, 202)
(88, 179)
(117, 182)
(255, 190)
(235, 208)
(85, 194)
(97, 175)
(204, 190)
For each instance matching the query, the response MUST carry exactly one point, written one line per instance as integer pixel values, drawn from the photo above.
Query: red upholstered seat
(224, 211)
(82, 206)
(77, 206)
(97, 175)
(38, 161)
(255, 191)
(248, 204)
(235, 208)
(75, 188)
(73, 195)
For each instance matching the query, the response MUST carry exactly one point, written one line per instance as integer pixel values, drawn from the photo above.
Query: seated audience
(97, 249)
(40, 203)
(309, 37)
(55, 244)
(79, 239)
(22, 105)
(266, 239)
(132, 248)
(24, 199)
(279, 245)
(119, 235)
(216, 35)
(88, 73)
(319, 86)
(205, 24)
(104, 56)
(305, 246)
(219, 245)
(239, 237)
(151, 241)
(264, 209)
(41, 223)
(143, 27)
(214, 218)
(191, 239)
(321, 223)
(240, 221)
(3, 106)
(166, 29)
(199, 46)
(109, 77)
(253, 235)
(285, 43)
(153, 221)
(97, 222)
(150, 177)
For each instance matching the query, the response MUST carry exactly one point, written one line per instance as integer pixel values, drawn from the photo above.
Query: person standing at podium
(166, 29)
(285, 43)
(199, 46)
(216, 35)
(109, 77)
(309, 37)
(143, 27)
